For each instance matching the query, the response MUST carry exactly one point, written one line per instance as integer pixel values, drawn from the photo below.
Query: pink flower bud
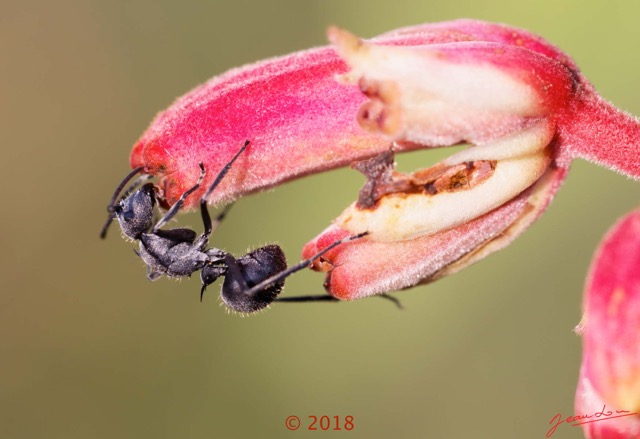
(299, 119)
(610, 329)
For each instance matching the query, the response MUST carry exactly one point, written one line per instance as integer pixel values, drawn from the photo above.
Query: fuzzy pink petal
(610, 328)
(298, 118)
(290, 108)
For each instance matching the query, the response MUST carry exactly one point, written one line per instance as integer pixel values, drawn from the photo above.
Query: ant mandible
(252, 281)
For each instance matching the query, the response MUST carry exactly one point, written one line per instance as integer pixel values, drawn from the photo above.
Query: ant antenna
(122, 184)
(224, 171)
(299, 266)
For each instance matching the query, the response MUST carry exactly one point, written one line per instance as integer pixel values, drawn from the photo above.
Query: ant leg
(300, 265)
(395, 300)
(318, 298)
(176, 207)
(223, 172)
(206, 218)
(327, 298)
(210, 227)
(221, 216)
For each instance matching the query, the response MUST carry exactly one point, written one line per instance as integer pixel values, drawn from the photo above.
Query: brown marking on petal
(379, 173)
(382, 180)
(441, 178)
(430, 189)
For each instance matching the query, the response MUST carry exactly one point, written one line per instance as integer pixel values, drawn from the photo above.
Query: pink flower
(610, 328)
(521, 103)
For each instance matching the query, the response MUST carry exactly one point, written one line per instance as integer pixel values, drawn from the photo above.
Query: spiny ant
(252, 281)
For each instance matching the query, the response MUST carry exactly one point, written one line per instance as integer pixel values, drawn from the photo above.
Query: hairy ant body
(252, 281)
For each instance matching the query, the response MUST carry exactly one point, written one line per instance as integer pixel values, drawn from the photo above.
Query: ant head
(252, 269)
(135, 212)
(113, 208)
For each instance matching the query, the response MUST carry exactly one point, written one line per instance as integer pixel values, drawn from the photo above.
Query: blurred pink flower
(610, 329)
(520, 102)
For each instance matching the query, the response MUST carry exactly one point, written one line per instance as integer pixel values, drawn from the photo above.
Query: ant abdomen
(254, 268)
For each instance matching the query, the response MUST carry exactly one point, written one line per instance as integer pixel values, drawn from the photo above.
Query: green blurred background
(90, 349)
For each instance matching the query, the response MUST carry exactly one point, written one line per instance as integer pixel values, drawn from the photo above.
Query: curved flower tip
(525, 109)
(610, 372)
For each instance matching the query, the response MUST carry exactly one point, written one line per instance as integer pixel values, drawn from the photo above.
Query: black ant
(251, 283)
